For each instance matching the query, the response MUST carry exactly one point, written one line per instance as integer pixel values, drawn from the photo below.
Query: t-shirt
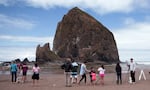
(74, 67)
(24, 68)
(101, 70)
(132, 66)
(93, 76)
(83, 69)
(36, 70)
(13, 68)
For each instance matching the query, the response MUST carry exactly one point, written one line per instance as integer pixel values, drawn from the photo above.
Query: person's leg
(81, 78)
(117, 78)
(133, 76)
(103, 80)
(12, 76)
(91, 78)
(25, 76)
(37, 80)
(15, 73)
(70, 79)
(33, 81)
(120, 78)
(66, 78)
(76, 79)
(85, 78)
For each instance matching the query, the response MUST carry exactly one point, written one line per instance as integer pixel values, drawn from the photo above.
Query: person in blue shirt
(13, 70)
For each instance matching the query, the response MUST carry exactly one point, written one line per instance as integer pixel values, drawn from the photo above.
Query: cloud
(99, 6)
(13, 22)
(133, 40)
(8, 2)
(26, 39)
(133, 36)
(4, 2)
(11, 52)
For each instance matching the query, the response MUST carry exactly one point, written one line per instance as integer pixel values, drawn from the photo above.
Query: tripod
(142, 74)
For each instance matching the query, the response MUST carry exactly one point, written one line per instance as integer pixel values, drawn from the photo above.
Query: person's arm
(63, 66)
(16, 68)
(134, 67)
(39, 70)
(116, 69)
(86, 69)
(10, 68)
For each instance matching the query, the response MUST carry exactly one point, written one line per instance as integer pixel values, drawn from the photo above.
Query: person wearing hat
(67, 66)
(132, 70)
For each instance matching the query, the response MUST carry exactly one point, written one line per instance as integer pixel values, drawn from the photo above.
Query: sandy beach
(49, 81)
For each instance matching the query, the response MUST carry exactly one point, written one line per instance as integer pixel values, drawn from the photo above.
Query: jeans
(13, 76)
(119, 78)
(83, 77)
(132, 76)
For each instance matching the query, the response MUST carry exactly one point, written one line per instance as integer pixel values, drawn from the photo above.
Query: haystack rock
(44, 54)
(80, 35)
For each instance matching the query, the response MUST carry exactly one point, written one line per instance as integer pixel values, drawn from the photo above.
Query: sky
(24, 24)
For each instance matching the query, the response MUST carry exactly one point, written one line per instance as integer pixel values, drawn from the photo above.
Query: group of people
(131, 69)
(71, 72)
(71, 69)
(18, 70)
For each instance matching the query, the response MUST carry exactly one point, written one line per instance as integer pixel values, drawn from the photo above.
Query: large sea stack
(80, 35)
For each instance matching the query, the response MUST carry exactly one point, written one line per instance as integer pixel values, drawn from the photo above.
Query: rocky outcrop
(80, 35)
(26, 60)
(44, 54)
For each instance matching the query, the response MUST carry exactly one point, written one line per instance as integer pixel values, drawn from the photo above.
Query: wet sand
(50, 81)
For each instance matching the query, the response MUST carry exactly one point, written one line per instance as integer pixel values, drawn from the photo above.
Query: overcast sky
(26, 23)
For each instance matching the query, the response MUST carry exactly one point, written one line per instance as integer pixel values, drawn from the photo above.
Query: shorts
(35, 76)
(74, 75)
(24, 73)
(101, 75)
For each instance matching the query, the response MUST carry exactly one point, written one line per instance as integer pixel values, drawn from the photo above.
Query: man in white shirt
(132, 70)
(83, 71)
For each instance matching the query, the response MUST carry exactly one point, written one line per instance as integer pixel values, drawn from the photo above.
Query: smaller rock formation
(44, 54)
(17, 60)
(26, 61)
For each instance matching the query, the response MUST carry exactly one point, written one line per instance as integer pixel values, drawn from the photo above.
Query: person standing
(67, 66)
(132, 67)
(83, 71)
(13, 69)
(74, 72)
(101, 74)
(24, 72)
(92, 76)
(36, 70)
(119, 73)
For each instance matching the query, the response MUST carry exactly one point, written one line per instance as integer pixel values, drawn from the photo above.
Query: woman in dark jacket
(119, 74)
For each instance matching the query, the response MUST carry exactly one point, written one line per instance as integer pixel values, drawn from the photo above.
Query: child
(101, 74)
(36, 70)
(92, 76)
